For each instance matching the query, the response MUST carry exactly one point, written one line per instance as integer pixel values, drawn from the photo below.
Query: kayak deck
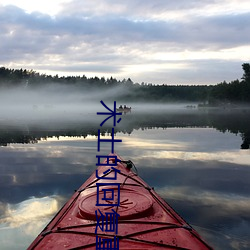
(145, 220)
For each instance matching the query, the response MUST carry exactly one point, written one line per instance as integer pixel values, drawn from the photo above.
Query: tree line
(236, 91)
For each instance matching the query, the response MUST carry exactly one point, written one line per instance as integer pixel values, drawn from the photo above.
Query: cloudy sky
(157, 41)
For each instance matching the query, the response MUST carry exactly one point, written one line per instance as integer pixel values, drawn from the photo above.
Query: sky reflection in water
(199, 171)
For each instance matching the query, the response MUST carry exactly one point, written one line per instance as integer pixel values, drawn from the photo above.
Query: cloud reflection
(22, 222)
(225, 215)
(228, 203)
(29, 211)
(222, 156)
(198, 171)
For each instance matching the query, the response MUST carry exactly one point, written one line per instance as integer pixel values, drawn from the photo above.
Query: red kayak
(136, 216)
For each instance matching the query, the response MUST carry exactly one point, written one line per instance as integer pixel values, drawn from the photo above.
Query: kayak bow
(145, 220)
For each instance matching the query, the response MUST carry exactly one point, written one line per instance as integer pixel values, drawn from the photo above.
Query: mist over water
(64, 103)
(191, 156)
(58, 109)
(55, 102)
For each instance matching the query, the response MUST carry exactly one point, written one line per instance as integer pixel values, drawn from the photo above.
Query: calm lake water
(197, 160)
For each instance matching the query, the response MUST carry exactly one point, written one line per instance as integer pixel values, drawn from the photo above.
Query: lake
(198, 160)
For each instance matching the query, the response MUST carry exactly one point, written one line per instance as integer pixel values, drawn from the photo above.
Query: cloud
(94, 38)
(144, 10)
(115, 30)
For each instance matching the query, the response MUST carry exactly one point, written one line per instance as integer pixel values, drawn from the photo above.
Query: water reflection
(234, 121)
(193, 161)
(19, 222)
(33, 209)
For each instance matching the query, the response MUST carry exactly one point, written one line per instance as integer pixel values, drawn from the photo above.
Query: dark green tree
(246, 69)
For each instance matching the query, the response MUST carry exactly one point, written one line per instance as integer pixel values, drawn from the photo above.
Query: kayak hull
(144, 219)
